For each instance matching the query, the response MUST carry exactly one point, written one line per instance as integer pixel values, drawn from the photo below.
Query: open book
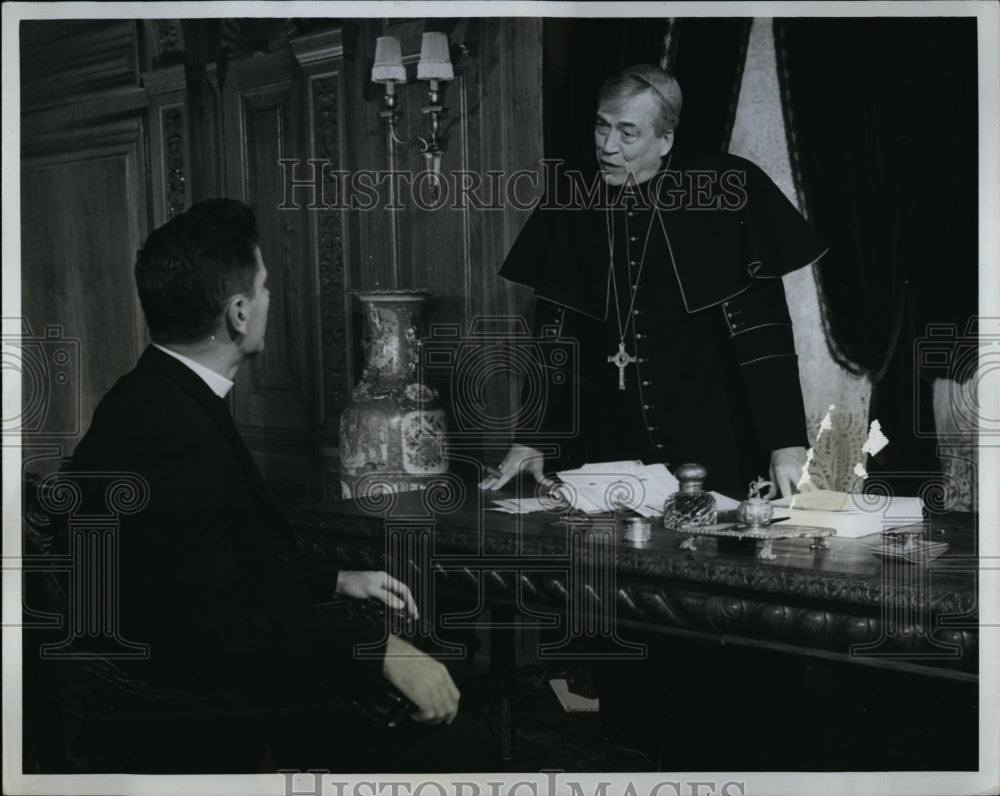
(851, 514)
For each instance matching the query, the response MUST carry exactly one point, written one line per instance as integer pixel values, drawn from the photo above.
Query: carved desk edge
(820, 625)
(331, 534)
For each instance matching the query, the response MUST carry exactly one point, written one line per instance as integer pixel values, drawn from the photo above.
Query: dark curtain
(706, 56)
(882, 125)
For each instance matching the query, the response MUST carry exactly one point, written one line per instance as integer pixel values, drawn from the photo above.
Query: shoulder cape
(727, 223)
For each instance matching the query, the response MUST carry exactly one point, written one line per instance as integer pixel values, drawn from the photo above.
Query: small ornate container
(636, 530)
(755, 511)
(691, 505)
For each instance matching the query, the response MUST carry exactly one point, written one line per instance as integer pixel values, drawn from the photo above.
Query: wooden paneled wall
(85, 207)
(125, 123)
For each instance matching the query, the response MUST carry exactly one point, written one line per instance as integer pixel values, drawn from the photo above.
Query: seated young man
(209, 577)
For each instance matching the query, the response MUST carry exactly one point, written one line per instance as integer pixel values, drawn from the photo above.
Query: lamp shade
(388, 65)
(435, 63)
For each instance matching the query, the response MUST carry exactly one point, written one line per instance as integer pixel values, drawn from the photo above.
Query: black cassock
(698, 254)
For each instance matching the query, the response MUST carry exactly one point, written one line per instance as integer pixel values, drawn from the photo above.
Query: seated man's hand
(421, 678)
(519, 457)
(786, 470)
(380, 585)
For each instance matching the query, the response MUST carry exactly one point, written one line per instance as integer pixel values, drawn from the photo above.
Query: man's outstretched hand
(423, 680)
(380, 585)
(519, 457)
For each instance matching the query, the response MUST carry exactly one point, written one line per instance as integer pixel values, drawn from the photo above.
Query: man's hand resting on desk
(421, 678)
(786, 470)
(380, 585)
(519, 457)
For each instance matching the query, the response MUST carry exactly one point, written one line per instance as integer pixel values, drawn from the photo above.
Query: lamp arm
(434, 111)
(424, 143)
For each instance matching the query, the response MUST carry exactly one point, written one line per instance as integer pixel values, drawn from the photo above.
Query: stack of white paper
(850, 514)
(625, 486)
(617, 486)
(609, 486)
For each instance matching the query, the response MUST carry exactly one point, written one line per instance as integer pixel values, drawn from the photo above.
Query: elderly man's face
(626, 139)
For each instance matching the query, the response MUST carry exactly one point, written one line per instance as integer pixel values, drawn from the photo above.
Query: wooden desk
(843, 604)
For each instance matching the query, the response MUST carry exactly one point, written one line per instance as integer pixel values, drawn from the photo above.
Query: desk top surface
(466, 533)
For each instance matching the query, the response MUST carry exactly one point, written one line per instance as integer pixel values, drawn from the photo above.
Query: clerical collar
(216, 382)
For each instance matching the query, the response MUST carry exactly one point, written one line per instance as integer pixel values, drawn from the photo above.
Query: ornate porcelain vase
(393, 431)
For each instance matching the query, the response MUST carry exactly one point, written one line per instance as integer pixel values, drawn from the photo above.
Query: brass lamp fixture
(434, 66)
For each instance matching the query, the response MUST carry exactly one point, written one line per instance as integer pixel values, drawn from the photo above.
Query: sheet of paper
(520, 506)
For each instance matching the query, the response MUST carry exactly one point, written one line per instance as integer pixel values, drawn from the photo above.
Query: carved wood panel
(275, 397)
(264, 121)
(325, 96)
(169, 142)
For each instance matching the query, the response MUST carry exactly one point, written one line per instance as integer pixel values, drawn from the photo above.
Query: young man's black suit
(209, 578)
(211, 581)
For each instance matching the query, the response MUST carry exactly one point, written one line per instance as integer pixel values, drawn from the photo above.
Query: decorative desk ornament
(633, 527)
(393, 431)
(691, 505)
(755, 511)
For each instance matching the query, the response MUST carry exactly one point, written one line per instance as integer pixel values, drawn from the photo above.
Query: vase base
(374, 484)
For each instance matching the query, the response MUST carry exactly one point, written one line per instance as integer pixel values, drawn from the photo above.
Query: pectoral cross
(620, 360)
